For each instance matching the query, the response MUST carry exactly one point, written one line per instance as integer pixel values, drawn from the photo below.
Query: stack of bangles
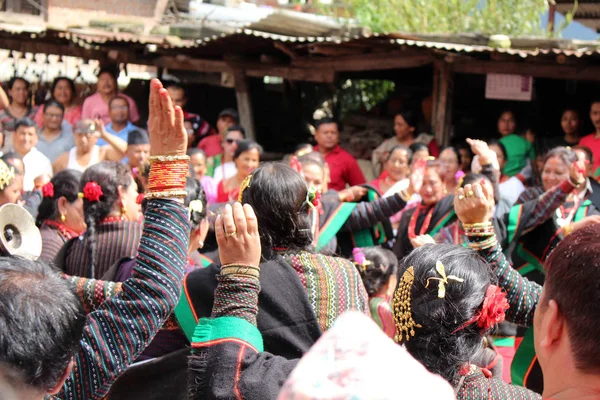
(167, 177)
(485, 231)
(240, 270)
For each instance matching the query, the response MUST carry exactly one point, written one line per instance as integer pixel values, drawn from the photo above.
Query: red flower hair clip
(493, 310)
(92, 192)
(48, 190)
(140, 198)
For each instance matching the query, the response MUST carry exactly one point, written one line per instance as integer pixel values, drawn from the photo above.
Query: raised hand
(473, 204)
(237, 235)
(166, 129)
(482, 150)
(578, 171)
(416, 176)
(421, 240)
(100, 130)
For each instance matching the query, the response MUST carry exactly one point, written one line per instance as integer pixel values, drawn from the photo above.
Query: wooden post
(442, 97)
(244, 103)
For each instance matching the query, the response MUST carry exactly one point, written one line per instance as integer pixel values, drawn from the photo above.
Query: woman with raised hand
(19, 107)
(303, 292)
(63, 91)
(60, 215)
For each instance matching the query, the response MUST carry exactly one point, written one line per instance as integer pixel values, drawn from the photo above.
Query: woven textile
(333, 286)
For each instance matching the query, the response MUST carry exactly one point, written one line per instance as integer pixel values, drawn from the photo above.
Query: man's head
(595, 114)
(177, 94)
(41, 320)
(107, 82)
(53, 114)
(118, 110)
(234, 135)
(86, 135)
(566, 319)
(327, 134)
(25, 137)
(228, 117)
(138, 148)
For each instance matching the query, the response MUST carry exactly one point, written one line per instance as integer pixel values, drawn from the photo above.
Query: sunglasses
(232, 141)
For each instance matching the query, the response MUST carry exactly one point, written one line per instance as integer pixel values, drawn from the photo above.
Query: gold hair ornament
(245, 185)
(444, 280)
(7, 174)
(196, 206)
(401, 310)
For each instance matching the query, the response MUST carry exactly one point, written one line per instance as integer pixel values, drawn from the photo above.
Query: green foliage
(361, 94)
(508, 17)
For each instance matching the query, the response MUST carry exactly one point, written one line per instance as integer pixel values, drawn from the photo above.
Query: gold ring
(232, 234)
(461, 197)
(470, 193)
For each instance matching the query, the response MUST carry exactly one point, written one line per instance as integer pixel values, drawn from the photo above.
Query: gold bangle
(240, 265)
(477, 225)
(166, 194)
(236, 272)
(165, 159)
(567, 229)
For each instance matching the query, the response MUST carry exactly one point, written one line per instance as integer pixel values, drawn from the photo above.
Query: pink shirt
(94, 107)
(211, 145)
(72, 115)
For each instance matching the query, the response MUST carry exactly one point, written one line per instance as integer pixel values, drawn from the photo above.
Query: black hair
(41, 320)
(501, 146)
(12, 155)
(589, 155)
(54, 103)
(174, 85)
(66, 184)
(382, 265)
(58, 79)
(111, 70)
(325, 120)
(472, 178)
(415, 147)
(247, 145)
(194, 150)
(237, 128)
(400, 147)
(278, 195)
(14, 79)
(565, 154)
(437, 344)
(109, 175)
(118, 97)
(410, 117)
(26, 122)
(195, 191)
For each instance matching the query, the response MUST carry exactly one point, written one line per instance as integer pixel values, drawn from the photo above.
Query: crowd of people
(462, 272)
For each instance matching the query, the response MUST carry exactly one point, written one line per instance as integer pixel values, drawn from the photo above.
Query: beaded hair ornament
(245, 185)
(401, 311)
(7, 174)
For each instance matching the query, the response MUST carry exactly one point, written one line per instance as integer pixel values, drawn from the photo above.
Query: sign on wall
(508, 87)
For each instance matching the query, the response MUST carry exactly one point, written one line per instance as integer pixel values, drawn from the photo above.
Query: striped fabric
(523, 295)
(93, 292)
(333, 286)
(118, 331)
(477, 386)
(52, 242)
(114, 240)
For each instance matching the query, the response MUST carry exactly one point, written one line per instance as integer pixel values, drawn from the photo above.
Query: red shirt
(343, 169)
(593, 144)
(211, 145)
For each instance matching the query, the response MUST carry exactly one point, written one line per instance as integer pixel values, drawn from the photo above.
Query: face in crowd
(402, 129)
(119, 111)
(595, 115)
(327, 136)
(507, 123)
(230, 143)
(397, 165)
(432, 189)
(52, 118)
(107, 85)
(25, 139)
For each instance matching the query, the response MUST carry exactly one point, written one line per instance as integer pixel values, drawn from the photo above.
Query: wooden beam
(554, 71)
(368, 61)
(244, 103)
(442, 117)
(294, 74)
(33, 46)
(190, 64)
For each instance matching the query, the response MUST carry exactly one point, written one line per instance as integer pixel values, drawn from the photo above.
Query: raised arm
(116, 148)
(227, 359)
(474, 213)
(117, 332)
(367, 214)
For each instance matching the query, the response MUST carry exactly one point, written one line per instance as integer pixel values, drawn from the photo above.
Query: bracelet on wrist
(168, 159)
(576, 185)
(567, 229)
(246, 273)
(485, 244)
(169, 194)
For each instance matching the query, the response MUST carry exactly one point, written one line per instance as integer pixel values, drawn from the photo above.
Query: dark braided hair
(195, 191)
(383, 264)
(278, 195)
(66, 184)
(109, 175)
(437, 344)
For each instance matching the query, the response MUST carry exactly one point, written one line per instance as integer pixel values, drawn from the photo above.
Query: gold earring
(200, 244)
(402, 313)
(63, 217)
(123, 209)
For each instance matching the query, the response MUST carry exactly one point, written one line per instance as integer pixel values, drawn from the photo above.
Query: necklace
(108, 220)
(413, 222)
(62, 229)
(563, 217)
